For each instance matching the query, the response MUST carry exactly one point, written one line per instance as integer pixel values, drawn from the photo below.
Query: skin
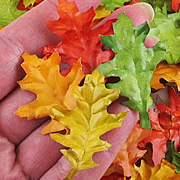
(24, 153)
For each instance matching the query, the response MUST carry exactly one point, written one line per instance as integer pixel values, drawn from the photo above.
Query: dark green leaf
(173, 156)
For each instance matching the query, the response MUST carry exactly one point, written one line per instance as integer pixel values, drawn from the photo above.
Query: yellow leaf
(101, 12)
(170, 73)
(164, 171)
(51, 88)
(88, 122)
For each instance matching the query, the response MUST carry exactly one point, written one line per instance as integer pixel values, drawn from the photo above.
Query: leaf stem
(71, 174)
(144, 120)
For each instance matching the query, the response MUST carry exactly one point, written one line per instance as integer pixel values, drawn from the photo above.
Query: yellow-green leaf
(28, 2)
(52, 89)
(91, 120)
(101, 12)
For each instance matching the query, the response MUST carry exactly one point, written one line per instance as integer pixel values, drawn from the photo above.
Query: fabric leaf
(133, 63)
(101, 12)
(175, 5)
(9, 11)
(91, 120)
(165, 4)
(112, 4)
(28, 2)
(164, 171)
(129, 152)
(171, 73)
(173, 156)
(165, 126)
(159, 27)
(78, 38)
(51, 88)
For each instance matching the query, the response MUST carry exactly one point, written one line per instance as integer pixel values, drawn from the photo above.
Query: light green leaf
(167, 27)
(112, 4)
(88, 122)
(133, 63)
(9, 11)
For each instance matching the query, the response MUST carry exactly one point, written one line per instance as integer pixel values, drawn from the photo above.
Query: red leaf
(175, 5)
(165, 126)
(114, 176)
(78, 38)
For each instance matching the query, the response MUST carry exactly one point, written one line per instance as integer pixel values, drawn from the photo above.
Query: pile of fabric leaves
(104, 55)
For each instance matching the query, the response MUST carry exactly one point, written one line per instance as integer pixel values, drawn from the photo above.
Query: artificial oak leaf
(78, 38)
(169, 117)
(163, 5)
(113, 4)
(173, 156)
(165, 126)
(175, 5)
(101, 12)
(114, 176)
(158, 138)
(91, 120)
(163, 21)
(164, 171)
(133, 63)
(51, 88)
(9, 11)
(171, 73)
(129, 153)
(28, 2)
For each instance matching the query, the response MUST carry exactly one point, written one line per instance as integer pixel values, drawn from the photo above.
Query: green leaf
(9, 11)
(173, 156)
(88, 122)
(112, 4)
(133, 63)
(28, 2)
(164, 5)
(167, 27)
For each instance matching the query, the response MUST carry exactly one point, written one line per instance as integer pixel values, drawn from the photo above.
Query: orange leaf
(170, 73)
(51, 88)
(53, 126)
(129, 153)
(1, 28)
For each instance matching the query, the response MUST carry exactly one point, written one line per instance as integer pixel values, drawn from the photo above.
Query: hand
(24, 152)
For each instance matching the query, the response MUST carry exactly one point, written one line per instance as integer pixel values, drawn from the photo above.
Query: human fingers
(38, 153)
(11, 126)
(28, 33)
